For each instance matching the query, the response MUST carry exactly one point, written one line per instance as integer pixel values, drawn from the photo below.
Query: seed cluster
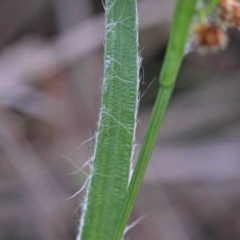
(230, 13)
(211, 35)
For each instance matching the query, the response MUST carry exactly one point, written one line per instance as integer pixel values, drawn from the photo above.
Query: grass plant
(112, 190)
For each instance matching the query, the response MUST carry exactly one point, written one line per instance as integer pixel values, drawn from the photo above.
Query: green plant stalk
(211, 4)
(206, 9)
(116, 129)
(183, 14)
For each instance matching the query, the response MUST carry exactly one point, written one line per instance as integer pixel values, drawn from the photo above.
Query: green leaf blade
(116, 130)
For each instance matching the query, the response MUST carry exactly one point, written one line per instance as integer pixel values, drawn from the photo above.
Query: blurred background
(51, 63)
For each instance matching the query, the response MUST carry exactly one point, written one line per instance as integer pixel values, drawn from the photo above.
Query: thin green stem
(212, 4)
(179, 34)
(207, 9)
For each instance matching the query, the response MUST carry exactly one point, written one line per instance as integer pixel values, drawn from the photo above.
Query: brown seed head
(209, 37)
(230, 13)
